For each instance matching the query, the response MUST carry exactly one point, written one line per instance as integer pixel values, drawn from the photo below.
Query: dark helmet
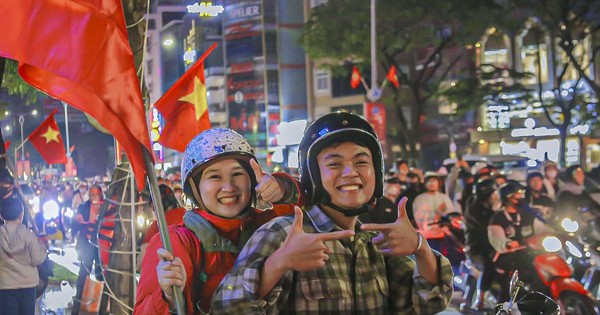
(209, 146)
(330, 129)
(5, 176)
(510, 189)
(484, 188)
(486, 172)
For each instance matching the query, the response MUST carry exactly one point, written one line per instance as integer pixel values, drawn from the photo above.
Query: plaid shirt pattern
(357, 278)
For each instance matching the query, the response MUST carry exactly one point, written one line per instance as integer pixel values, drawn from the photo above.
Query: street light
(22, 145)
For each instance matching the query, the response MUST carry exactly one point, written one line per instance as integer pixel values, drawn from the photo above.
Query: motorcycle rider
(428, 207)
(506, 231)
(477, 215)
(322, 260)
(573, 196)
(537, 199)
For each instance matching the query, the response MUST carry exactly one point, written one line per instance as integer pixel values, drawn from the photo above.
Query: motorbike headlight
(552, 244)
(569, 225)
(573, 249)
(141, 220)
(50, 210)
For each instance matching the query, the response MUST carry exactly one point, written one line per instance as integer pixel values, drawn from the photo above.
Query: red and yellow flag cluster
(78, 52)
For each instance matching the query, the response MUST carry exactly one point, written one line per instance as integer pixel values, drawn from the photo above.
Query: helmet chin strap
(348, 212)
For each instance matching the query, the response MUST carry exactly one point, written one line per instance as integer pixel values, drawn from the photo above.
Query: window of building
(496, 51)
(322, 84)
(534, 57)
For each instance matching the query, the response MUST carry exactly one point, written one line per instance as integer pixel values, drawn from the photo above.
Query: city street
(57, 298)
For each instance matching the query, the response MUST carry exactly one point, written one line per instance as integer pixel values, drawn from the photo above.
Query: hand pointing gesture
(269, 188)
(398, 238)
(305, 251)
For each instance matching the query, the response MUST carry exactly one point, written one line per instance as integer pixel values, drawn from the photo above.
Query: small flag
(393, 77)
(355, 79)
(46, 139)
(184, 107)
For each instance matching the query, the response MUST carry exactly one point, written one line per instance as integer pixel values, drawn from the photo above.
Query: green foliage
(61, 273)
(16, 86)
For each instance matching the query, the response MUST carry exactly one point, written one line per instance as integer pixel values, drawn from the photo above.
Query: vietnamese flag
(392, 76)
(78, 52)
(46, 139)
(184, 107)
(355, 78)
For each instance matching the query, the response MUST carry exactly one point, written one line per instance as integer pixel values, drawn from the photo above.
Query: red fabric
(78, 52)
(393, 77)
(173, 216)
(186, 246)
(355, 79)
(185, 108)
(46, 139)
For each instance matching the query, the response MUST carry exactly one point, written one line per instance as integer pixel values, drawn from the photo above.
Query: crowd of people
(344, 237)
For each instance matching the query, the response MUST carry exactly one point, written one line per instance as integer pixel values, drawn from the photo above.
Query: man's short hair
(10, 209)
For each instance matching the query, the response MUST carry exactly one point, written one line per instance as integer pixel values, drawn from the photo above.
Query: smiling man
(323, 260)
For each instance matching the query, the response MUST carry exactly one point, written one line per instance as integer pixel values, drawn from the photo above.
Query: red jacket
(187, 247)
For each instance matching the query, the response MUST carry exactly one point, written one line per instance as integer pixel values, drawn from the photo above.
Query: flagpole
(161, 221)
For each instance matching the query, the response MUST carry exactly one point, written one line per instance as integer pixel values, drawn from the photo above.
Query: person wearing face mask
(507, 230)
(86, 220)
(478, 249)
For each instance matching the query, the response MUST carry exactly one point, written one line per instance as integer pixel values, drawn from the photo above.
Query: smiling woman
(221, 177)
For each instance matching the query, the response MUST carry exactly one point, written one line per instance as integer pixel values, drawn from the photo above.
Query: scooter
(452, 224)
(555, 274)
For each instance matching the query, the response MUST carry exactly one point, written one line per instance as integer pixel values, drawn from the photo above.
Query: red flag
(355, 79)
(78, 52)
(393, 77)
(184, 107)
(46, 139)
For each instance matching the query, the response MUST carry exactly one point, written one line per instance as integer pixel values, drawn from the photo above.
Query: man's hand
(170, 272)
(269, 188)
(306, 251)
(398, 238)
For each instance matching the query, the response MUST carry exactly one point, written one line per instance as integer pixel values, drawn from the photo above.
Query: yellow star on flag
(197, 98)
(51, 135)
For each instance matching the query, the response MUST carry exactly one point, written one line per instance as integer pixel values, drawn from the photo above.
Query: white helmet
(207, 147)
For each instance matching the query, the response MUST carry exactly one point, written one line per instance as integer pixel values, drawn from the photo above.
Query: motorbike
(529, 303)
(554, 274)
(452, 224)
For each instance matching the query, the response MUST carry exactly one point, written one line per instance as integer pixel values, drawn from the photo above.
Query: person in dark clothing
(537, 199)
(88, 255)
(506, 232)
(573, 198)
(482, 174)
(478, 249)
(386, 209)
(415, 188)
(7, 190)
